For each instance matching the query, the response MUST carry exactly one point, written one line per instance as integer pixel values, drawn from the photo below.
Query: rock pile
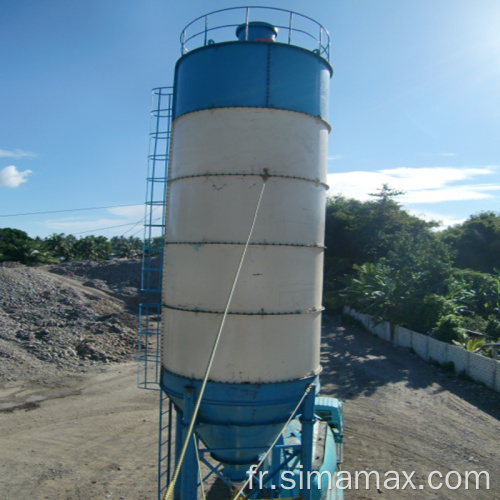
(66, 317)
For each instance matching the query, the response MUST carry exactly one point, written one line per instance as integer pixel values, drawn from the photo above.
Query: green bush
(475, 323)
(448, 328)
(493, 327)
(422, 315)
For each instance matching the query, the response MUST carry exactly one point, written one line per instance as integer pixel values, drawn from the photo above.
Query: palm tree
(61, 246)
(93, 248)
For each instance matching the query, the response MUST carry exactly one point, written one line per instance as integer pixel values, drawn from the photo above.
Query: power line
(137, 232)
(143, 221)
(133, 224)
(70, 210)
(109, 227)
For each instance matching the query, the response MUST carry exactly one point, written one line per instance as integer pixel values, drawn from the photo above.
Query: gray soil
(66, 318)
(74, 425)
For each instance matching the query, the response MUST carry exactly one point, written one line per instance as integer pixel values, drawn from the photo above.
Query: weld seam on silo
(255, 244)
(317, 182)
(284, 110)
(243, 313)
(251, 403)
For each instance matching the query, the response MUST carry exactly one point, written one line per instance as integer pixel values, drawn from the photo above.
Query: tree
(386, 195)
(373, 290)
(360, 232)
(474, 293)
(93, 248)
(475, 298)
(422, 268)
(405, 287)
(126, 247)
(17, 246)
(476, 242)
(61, 246)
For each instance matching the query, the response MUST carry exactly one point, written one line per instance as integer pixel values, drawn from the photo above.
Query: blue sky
(415, 102)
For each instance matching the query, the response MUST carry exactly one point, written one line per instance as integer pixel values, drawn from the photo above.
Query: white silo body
(220, 159)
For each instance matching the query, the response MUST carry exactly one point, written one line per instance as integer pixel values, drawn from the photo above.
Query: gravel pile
(67, 317)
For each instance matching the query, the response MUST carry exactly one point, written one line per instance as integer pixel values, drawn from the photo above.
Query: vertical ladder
(149, 349)
(161, 125)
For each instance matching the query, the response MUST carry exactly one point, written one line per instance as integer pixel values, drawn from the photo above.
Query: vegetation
(358, 232)
(385, 262)
(476, 242)
(17, 246)
(473, 345)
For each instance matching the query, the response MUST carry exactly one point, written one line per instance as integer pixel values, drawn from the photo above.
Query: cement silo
(244, 235)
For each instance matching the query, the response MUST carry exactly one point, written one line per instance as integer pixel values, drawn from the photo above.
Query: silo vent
(256, 31)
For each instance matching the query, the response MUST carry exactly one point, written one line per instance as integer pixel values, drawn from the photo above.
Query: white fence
(477, 367)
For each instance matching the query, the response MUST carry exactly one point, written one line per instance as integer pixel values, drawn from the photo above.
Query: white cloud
(11, 177)
(356, 184)
(134, 211)
(16, 154)
(76, 225)
(421, 185)
(335, 157)
(443, 220)
(455, 193)
(431, 177)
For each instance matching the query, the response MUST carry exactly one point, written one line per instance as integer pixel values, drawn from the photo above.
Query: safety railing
(220, 26)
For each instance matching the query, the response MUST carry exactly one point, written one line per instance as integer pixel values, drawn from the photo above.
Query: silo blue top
(256, 72)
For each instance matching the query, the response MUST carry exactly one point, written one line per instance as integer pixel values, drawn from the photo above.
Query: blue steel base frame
(165, 443)
(296, 454)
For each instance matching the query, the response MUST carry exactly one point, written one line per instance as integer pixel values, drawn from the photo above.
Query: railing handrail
(321, 41)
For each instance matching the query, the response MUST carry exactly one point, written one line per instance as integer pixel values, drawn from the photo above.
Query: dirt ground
(94, 435)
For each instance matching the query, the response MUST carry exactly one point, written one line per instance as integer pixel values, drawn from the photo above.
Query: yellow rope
(199, 470)
(170, 489)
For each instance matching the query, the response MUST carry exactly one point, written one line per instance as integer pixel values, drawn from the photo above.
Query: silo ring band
(268, 176)
(257, 243)
(243, 313)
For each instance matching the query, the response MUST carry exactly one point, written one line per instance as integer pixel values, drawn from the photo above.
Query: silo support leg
(307, 421)
(178, 448)
(189, 474)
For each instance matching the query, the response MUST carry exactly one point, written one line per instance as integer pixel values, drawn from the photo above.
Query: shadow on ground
(356, 363)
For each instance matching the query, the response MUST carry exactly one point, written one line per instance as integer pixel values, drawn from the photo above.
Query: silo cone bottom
(238, 422)
(238, 447)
